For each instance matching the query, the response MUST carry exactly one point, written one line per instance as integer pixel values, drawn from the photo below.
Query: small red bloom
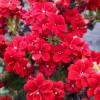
(94, 92)
(61, 53)
(39, 88)
(15, 58)
(80, 72)
(40, 12)
(79, 48)
(71, 86)
(58, 25)
(96, 56)
(75, 23)
(48, 68)
(40, 49)
(17, 63)
(58, 90)
(94, 84)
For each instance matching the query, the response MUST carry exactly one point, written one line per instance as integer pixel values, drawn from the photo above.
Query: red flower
(15, 58)
(79, 48)
(80, 72)
(44, 19)
(59, 90)
(40, 12)
(17, 63)
(96, 56)
(71, 86)
(43, 9)
(94, 92)
(94, 84)
(39, 88)
(58, 25)
(40, 49)
(75, 23)
(61, 53)
(19, 44)
(48, 68)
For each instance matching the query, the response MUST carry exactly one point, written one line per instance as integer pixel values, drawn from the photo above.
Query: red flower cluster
(84, 74)
(75, 23)
(80, 73)
(52, 55)
(17, 62)
(94, 84)
(41, 89)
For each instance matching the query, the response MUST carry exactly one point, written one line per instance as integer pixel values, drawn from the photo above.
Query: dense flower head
(39, 88)
(94, 87)
(79, 48)
(44, 46)
(58, 26)
(17, 62)
(39, 12)
(61, 53)
(71, 86)
(18, 44)
(48, 68)
(96, 56)
(80, 72)
(40, 50)
(58, 90)
(75, 22)
(45, 20)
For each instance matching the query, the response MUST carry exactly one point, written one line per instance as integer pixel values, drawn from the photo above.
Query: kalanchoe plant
(43, 53)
